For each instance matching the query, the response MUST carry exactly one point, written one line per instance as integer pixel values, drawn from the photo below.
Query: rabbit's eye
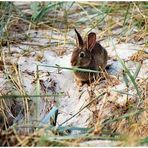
(82, 55)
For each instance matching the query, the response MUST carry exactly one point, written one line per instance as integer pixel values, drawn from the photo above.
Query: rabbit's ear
(79, 39)
(91, 41)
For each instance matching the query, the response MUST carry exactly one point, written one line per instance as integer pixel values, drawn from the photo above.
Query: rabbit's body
(88, 55)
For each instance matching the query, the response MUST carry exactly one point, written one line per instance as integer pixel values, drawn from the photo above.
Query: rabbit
(88, 54)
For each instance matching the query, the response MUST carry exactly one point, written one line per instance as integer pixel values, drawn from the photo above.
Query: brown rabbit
(89, 54)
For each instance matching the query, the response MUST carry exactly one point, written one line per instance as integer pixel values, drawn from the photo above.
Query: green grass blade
(30, 96)
(73, 128)
(125, 79)
(130, 76)
(51, 117)
(41, 13)
(143, 141)
(127, 12)
(138, 67)
(78, 136)
(73, 69)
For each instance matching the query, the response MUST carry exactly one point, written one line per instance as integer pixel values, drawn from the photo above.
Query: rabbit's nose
(73, 63)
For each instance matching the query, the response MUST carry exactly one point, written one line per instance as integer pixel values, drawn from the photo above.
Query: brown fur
(89, 54)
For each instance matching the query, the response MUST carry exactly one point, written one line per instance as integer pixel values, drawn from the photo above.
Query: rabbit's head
(82, 54)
